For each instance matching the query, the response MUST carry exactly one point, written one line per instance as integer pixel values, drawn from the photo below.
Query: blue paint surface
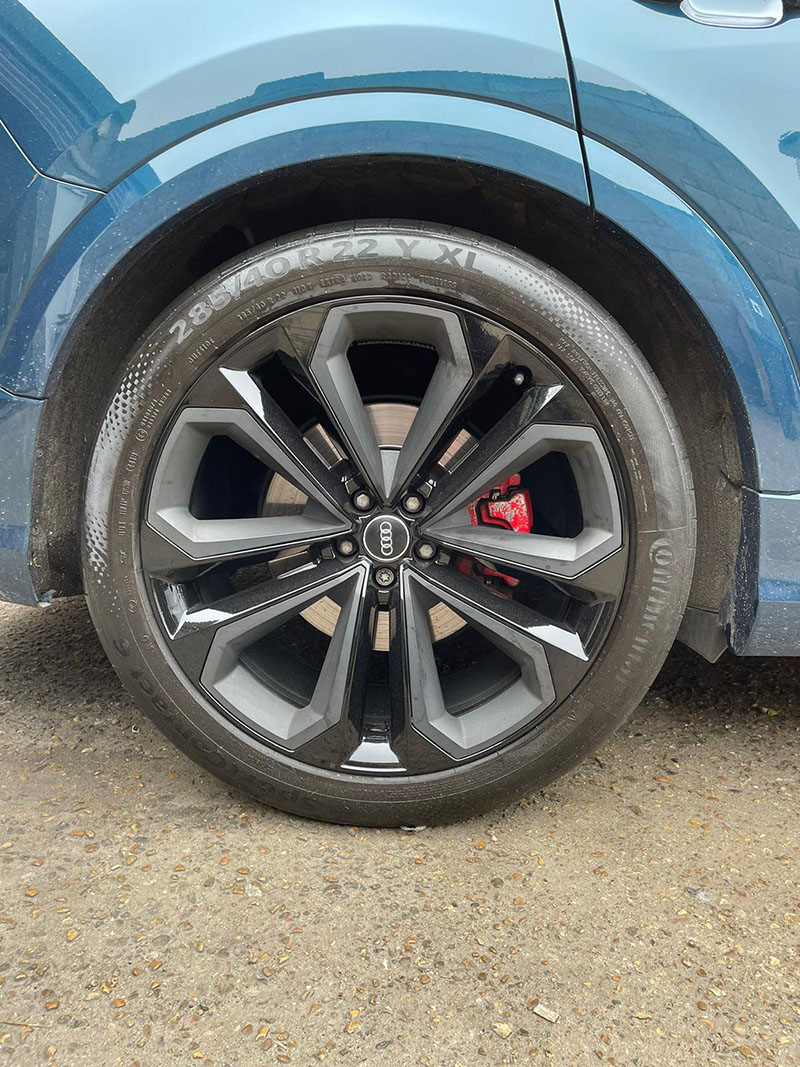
(712, 112)
(774, 629)
(93, 89)
(118, 128)
(19, 420)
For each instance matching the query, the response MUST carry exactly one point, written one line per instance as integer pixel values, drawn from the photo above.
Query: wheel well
(620, 274)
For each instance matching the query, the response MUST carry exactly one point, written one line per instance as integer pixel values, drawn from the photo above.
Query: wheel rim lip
(401, 564)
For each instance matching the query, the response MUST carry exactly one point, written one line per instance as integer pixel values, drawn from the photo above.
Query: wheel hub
(386, 538)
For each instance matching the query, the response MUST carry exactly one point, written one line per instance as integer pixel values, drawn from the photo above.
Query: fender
(242, 150)
(704, 109)
(759, 359)
(762, 378)
(91, 96)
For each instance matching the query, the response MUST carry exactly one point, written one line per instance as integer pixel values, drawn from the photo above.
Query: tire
(446, 726)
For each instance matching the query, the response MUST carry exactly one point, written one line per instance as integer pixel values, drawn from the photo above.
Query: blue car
(398, 381)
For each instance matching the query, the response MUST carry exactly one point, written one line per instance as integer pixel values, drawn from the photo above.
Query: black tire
(431, 263)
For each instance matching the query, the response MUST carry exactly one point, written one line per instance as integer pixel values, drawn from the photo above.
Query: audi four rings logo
(387, 540)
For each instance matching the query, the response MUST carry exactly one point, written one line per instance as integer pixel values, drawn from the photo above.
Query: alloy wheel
(385, 536)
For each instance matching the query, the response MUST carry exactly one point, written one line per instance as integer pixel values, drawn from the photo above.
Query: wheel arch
(547, 215)
(498, 204)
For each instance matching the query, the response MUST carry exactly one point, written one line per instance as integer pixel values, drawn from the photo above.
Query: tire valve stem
(519, 377)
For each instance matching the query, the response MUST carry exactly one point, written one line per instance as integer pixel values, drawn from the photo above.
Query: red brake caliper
(506, 506)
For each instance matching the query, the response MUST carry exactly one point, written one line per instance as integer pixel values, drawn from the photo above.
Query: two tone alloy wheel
(383, 539)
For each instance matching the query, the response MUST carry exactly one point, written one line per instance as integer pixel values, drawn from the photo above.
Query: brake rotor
(391, 423)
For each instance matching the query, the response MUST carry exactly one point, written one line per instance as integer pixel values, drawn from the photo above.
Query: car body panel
(245, 148)
(724, 291)
(774, 629)
(713, 112)
(35, 212)
(94, 89)
(19, 421)
(208, 119)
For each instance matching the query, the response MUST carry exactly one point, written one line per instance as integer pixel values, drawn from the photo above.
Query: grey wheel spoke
(176, 542)
(566, 652)
(507, 448)
(587, 562)
(472, 354)
(486, 608)
(195, 541)
(346, 673)
(450, 381)
(571, 559)
(464, 733)
(215, 650)
(331, 372)
(197, 627)
(330, 369)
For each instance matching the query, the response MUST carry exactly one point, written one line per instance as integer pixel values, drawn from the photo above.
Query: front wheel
(387, 523)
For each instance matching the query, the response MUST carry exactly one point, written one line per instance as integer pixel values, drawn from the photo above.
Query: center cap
(386, 538)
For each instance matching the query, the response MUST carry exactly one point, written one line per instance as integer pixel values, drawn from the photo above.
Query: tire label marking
(426, 251)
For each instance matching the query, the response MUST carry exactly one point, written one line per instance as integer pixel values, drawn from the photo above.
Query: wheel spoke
(285, 448)
(465, 733)
(345, 676)
(173, 541)
(569, 558)
(489, 611)
(490, 349)
(583, 562)
(390, 321)
(245, 694)
(507, 448)
(195, 628)
(330, 371)
(449, 383)
(195, 541)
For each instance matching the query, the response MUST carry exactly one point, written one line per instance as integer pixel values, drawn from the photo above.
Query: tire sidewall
(408, 259)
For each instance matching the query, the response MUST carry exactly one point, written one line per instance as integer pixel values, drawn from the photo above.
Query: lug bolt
(519, 377)
(413, 503)
(346, 546)
(425, 550)
(384, 576)
(362, 500)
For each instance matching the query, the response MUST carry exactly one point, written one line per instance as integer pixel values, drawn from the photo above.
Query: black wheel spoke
(522, 626)
(567, 558)
(180, 545)
(331, 371)
(349, 664)
(231, 387)
(196, 628)
(463, 733)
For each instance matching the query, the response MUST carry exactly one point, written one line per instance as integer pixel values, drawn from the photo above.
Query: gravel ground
(149, 915)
